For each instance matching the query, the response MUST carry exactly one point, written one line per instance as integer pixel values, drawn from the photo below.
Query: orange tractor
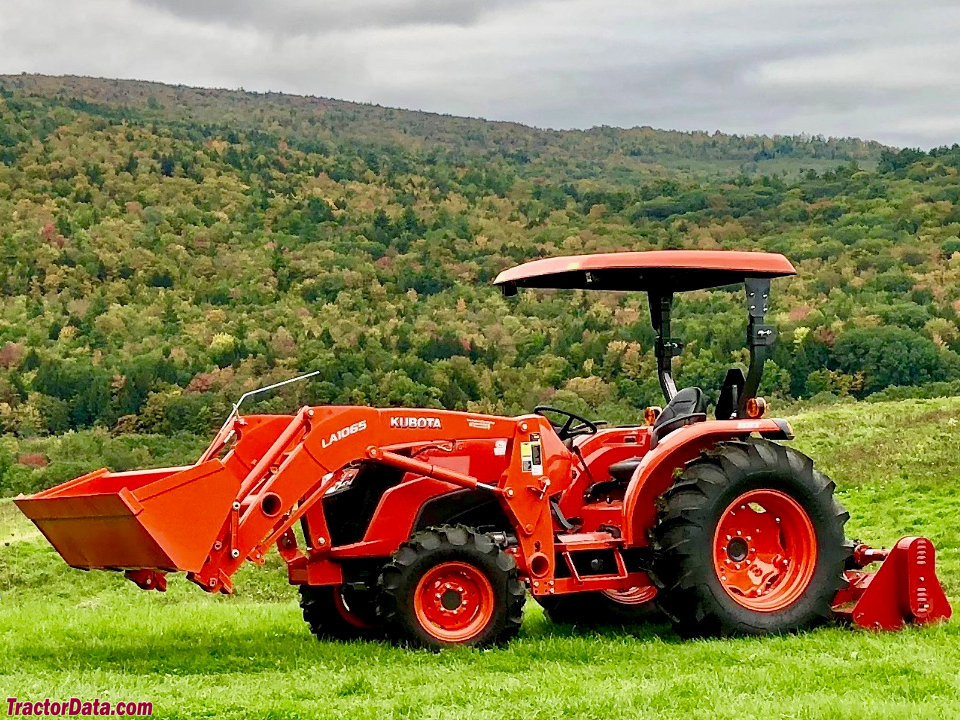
(431, 526)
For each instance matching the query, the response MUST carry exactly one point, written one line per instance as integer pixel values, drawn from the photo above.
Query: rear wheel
(750, 541)
(337, 612)
(597, 609)
(452, 586)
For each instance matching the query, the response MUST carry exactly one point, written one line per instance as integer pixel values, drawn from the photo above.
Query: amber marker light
(756, 407)
(651, 414)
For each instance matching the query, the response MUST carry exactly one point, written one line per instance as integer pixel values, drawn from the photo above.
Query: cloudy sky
(880, 69)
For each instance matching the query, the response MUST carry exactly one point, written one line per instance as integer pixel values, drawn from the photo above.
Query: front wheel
(750, 541)
(452, 586)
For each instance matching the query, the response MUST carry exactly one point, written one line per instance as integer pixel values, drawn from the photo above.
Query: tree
(888, 356)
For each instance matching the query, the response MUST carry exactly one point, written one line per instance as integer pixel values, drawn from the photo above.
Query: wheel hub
(765, 550)
(454, 601)
(451, 599)
(737, 549)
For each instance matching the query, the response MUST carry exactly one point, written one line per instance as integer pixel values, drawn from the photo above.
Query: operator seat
(687, 406)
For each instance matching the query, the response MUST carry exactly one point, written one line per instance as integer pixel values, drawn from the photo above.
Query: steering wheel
(572, 427)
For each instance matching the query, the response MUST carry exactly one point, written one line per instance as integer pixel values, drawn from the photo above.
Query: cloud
(880, 69)
(308, 17)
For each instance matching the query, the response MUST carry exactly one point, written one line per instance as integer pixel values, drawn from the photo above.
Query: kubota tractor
(432, 525)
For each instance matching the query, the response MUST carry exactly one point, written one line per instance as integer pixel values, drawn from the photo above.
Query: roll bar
(760, 336)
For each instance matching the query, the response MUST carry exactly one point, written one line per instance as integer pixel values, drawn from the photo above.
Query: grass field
(64, 633)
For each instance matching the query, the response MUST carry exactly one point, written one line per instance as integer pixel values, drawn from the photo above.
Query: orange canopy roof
(659, 270)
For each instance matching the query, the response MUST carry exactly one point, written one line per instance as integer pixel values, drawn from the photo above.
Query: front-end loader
(432, 525)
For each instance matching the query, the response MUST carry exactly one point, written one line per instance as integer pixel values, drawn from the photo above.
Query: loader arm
(296, 470)
(304, 461)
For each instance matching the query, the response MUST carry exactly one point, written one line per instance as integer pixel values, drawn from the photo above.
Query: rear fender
(659, 467)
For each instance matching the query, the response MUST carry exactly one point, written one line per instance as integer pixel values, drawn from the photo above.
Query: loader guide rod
(402, 462)
(235, 412)
(223, 436)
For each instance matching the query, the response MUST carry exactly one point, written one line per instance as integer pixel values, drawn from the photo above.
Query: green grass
(65, 633)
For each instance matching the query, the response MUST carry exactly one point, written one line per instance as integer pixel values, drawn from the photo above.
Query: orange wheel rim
(632, 596)
(454, 601)
(765, 550)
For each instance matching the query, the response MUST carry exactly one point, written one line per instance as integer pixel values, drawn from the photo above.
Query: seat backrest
(689, 403)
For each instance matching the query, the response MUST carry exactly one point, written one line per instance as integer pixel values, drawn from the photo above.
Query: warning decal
(531, 455)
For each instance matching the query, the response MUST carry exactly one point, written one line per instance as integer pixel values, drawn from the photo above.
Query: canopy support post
(667, 347)
(760, 336)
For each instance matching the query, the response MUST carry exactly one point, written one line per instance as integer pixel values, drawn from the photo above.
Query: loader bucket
(165, 519)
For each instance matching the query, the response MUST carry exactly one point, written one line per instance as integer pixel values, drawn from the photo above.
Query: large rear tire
(749, 541)
(452, 586)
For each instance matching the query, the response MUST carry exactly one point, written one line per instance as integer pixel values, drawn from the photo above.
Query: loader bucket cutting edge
(163, 519)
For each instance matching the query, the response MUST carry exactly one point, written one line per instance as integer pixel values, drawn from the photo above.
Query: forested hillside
(167, 248)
